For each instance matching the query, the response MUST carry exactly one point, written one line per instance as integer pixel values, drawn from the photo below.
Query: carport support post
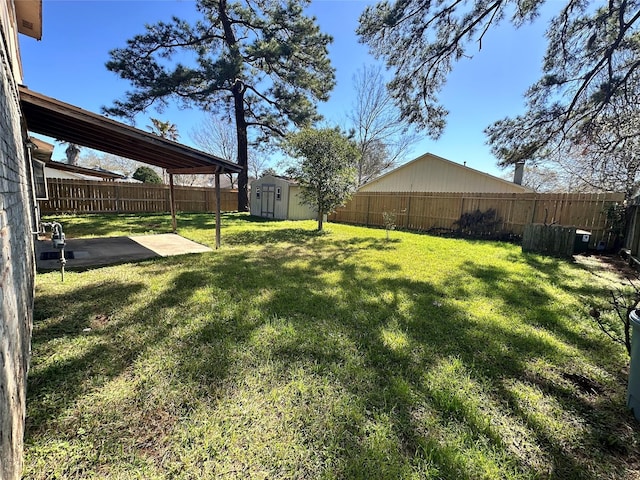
(217, 210)
(172, 197)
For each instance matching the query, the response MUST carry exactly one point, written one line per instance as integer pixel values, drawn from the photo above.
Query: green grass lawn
(293, 354)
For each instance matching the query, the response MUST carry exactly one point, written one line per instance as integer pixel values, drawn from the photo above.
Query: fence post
(368, 209)
(533, 210)
(117, 198)
(167, 198)
(406, 222)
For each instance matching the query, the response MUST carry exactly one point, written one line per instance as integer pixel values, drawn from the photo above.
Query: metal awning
(62, 121)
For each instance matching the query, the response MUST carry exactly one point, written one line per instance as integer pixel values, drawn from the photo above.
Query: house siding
(430, 173)
(16, 248)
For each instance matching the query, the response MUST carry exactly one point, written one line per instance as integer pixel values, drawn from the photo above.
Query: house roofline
(429, 154)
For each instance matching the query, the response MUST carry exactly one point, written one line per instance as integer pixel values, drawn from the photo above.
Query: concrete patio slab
(92, 252)
(168, 244)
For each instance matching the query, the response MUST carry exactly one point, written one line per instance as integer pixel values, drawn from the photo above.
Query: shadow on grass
(109, 225)
(489, 352)
(271, 236)
(65, 317)
(419, 369)
(536, 307)
(103, 338)
(306, 237)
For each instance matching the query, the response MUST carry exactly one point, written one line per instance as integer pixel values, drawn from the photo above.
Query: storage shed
(430, 173)
(278, 197)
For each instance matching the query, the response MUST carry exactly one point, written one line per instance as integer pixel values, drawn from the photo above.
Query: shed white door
(268, 201)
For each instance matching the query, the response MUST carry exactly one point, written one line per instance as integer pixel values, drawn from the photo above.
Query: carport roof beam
(62, 121)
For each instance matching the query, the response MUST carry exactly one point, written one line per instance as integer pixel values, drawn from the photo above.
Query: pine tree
(266, 62)
(592, 63)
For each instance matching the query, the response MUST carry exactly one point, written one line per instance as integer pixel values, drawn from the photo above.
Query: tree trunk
(320, 219)
(238, 107)
(243, 146)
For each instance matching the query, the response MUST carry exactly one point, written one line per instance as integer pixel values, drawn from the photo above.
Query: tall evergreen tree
(164, 129)
(593, 57)
(264, 61)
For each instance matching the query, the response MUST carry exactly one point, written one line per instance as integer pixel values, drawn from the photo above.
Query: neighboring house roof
(83, 171)
(43, 152)
(51, 117)
(431, 173)
(51, 173)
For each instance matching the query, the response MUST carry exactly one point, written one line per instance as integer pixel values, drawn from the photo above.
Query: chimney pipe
(519, 173)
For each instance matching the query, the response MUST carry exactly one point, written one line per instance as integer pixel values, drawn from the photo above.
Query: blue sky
(68, 64)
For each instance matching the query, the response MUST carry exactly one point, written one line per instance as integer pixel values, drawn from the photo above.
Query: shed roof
(51, 117)
(289, 180)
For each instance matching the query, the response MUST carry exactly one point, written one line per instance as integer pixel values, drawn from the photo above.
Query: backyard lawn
(292, 354)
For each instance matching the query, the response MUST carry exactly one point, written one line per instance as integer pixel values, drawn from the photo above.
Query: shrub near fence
(439, 211)
(86, 196)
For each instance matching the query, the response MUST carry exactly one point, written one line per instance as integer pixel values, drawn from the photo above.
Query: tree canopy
(591, 63)
(381, 135)
(264, 62)
(72, 152)
(164, 129)
(325, 169)
(146, 175)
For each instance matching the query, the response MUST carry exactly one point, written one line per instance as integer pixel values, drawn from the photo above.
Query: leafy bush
(147, 175)
(478, 223)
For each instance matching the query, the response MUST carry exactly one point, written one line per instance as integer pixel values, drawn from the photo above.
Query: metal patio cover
(65, 122)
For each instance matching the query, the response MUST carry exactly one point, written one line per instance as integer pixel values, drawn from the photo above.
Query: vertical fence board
(427, 211)
(86, 196)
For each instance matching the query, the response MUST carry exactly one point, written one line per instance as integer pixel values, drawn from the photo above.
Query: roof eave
(51, 117)
(29, 18)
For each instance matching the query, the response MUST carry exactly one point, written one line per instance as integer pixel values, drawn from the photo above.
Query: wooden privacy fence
(440, 211)
(86, 196)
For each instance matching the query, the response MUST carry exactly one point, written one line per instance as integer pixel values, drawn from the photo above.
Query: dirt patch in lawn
(612, 267)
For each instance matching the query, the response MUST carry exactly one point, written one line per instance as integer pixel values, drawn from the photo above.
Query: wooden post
(368, 209)
(172, 197)
(117, 195)
(217, 210)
